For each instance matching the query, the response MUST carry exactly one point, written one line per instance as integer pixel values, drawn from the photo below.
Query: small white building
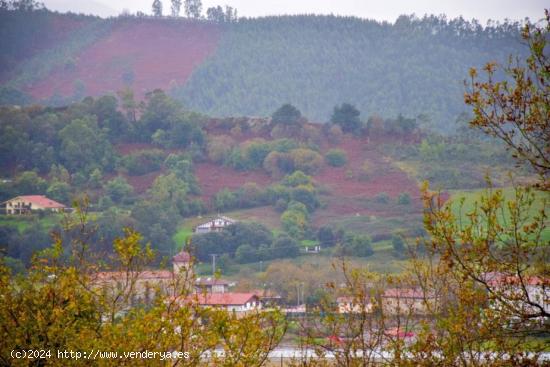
(215, 225)
(27, 204)
(354, 305)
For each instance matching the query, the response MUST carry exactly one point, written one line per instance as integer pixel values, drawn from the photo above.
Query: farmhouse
(215, 225)
(27, 204)
(236, 302)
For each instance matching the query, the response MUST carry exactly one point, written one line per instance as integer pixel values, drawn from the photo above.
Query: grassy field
(23, 222)
(181, 236)
(473, 197)
(382, 261)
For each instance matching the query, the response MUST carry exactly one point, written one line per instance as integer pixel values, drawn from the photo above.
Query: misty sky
(387, 10)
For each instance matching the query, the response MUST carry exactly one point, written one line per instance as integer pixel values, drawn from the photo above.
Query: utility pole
(213, 264)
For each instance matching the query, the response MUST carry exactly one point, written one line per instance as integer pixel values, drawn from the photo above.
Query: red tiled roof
(225, 299)
(398, 332)
(182, 257)
(41, 200)
(501, 279)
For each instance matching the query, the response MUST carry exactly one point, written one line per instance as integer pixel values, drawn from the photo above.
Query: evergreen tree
(193, 8)
(347, 116)
(176, 6)
(157, 8)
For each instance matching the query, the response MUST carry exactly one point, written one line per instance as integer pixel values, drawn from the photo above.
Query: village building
(406, 301)
(268, 297)
(26, 204)
(524, 295)
(212, 285)
(241, 303)
(217, 224)
(353, 305)
(147, 284)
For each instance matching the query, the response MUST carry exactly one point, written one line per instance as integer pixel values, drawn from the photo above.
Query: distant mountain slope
(143, 54)
(415, 66)
(25, 34)
(315, 62)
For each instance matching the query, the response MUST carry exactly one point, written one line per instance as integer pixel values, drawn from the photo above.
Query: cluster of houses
(402, 301)
(207, 292)
(214, 292)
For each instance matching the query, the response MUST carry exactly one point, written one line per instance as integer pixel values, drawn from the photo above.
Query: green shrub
(398, 244)
(143, 161)
(336, 158)
(404, 199)
(382, 198)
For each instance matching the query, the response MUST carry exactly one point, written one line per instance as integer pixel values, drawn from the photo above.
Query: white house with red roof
(26, 204)
(236, 302)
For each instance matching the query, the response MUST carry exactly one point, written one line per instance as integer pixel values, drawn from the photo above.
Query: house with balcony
(27, 204)
(217, 224)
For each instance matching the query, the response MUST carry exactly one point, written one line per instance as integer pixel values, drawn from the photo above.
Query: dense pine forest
(414, 66)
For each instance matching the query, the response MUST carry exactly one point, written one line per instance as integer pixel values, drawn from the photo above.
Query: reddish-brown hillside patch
(345, 193)
(384, 177)
(213, 178)
(160, 54)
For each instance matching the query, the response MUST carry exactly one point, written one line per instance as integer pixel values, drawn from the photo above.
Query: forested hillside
(252, 66)
(415, 66)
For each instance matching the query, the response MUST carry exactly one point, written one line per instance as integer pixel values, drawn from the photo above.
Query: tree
(361, 246)
(246, 254)
(157, 8)
(95, 179)
(170, 191)
(347, 116)
(285, 246)
(398, 244)
(516, 110)
(404, 198)
(29, 183)
(306, 160)
(336, 157)
(118, 189)
(287, 114)
(487, 257)
(84, 146)
(59, 191)
(176, 6)
(326, 237)
(193, 8)
(62, 304)
(129, 104)
(215, 14)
